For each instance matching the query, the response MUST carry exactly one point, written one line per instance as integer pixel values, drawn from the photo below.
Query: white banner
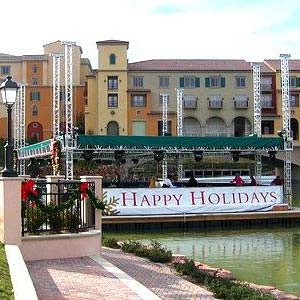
(172, 201)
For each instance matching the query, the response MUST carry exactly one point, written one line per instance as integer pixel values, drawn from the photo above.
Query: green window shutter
(298, 82)
(181, 82)
(197, 82)
(222, 81)
(207, 82)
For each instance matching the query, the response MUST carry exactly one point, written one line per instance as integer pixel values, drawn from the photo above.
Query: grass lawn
(6, 291)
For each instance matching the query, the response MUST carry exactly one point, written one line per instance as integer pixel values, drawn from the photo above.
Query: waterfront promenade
(113, 275)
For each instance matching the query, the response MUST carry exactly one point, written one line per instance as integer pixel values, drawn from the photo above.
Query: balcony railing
(294, 102)
(190, 103)
(241, 104)
(266, 87)
(215, 104)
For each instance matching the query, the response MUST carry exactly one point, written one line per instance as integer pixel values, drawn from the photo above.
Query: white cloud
(156, 29)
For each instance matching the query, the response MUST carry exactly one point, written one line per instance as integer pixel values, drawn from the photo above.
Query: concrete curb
(134, 285)
(20, 278)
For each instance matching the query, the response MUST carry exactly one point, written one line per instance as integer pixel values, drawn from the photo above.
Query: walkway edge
(134, 285)
(20, 278)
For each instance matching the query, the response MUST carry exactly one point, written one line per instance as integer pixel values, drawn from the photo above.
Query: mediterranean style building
(35, 71)
(126, 98)
(122, 98)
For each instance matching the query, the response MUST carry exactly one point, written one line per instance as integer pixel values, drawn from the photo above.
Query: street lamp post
(9, 91)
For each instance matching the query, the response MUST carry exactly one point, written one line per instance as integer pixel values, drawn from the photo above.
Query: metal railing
(58, 215)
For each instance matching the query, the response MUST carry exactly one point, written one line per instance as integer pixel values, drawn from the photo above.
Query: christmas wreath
(30, 192)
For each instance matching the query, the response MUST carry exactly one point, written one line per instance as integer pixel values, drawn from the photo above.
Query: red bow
(27, 188)
(84, 186)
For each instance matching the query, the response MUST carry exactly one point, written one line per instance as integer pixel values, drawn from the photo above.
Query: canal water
(269, 256)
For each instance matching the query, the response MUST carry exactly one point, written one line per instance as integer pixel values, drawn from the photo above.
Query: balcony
(215, 104)
(266, 87)
(241, 104)
(191, 104)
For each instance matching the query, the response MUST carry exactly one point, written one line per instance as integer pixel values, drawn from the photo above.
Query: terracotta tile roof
(190, 65)
(294, 64)
(113, 42)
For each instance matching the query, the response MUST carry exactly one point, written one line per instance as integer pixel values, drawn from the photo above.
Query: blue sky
(249, 29)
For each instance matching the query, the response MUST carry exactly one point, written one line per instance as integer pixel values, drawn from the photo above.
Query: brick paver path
(156, 277)
(76, 278)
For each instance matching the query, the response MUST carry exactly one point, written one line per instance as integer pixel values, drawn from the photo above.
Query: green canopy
(179, 143)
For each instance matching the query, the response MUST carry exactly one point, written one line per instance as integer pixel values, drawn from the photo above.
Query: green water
(269, 256)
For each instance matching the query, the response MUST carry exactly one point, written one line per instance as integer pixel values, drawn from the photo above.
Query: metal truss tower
(164, 132)
(19, 126)
(56, 95)
(286, 127)
(179, 129)
(69, 137)
(257, 115)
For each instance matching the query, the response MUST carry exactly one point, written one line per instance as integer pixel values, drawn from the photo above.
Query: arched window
(191, 127)
(112, 128)
(112, 59)
(215, 127)
(35, 131)
(241, 126)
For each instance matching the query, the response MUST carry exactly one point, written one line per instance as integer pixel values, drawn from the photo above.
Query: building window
(112, 83)
(266, 83)
(189, 82)
(240, 101)
(138, 101)
(240, 81)
(34, 69)
(294, 100)
(34, 81)
(5, 70)
(215, 82)
(160, 128)
(215, 101)
(62, 95)
(35, 110)
(164, 82)
(294, 82)
(190, 101)
(35, 96)
(138, 81)
(112, 59)
(267, 127)
(266, 101)
(161, 100)
(112, 100)
(112, 128)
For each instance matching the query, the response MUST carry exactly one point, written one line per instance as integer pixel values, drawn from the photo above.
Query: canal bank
(267, 255)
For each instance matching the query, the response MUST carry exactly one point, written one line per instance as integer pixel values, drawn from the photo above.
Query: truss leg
(288, 194)
(180, 169)
(258, 168)
(164, 169)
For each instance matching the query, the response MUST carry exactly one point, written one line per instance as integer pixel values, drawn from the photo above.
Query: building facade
(126, 98)
(35, 71)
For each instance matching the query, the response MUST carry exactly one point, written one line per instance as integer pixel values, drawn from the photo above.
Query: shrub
(34, 219)
(131, 246)
(157, 253)
(222, 288)
(71, 220)
(111, 243)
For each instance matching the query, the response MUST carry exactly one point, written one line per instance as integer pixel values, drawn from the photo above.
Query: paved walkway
(96, 278)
